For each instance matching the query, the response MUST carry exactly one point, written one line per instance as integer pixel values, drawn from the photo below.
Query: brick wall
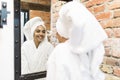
(56, 5)
(108, 14)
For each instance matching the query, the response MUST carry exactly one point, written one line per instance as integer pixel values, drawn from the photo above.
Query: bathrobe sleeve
(97, 56)
(51, 67)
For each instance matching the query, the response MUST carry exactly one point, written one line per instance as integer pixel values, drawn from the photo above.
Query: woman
(79, 57)
(36, 49)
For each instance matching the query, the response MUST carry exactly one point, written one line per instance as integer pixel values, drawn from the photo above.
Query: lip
(40, 37)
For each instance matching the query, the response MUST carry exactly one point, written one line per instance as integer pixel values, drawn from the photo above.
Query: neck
(36, 43)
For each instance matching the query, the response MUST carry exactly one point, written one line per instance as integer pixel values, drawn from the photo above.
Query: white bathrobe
(80, 57)
(63, 64)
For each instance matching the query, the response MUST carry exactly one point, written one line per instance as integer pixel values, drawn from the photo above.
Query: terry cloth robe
(34, 59)
(63, 64)
(80, 57)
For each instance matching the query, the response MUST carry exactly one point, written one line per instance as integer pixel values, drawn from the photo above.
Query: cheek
(35, 34)
(42, 35)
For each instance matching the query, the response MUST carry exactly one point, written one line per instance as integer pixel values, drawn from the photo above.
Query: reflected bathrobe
(80, 57)
(35, 59)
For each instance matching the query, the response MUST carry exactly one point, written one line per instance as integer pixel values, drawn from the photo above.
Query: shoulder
(27, 43)
(60, 47)
(57, 50)
(49, 45)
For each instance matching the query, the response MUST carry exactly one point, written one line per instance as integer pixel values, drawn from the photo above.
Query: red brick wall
(108, 14)
(56, 5)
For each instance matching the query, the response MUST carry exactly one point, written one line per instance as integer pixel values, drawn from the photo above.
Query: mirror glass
(35, 52)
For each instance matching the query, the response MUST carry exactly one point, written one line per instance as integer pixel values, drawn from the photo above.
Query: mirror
(33, 59)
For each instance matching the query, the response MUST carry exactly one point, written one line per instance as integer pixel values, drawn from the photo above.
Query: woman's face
(39, 34)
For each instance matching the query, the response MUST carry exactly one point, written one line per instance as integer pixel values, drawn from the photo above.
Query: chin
(40, 40)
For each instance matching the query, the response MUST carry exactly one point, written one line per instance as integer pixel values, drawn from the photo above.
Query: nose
(41, 33)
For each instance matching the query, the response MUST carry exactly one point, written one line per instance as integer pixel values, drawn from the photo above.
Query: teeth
(40, 37)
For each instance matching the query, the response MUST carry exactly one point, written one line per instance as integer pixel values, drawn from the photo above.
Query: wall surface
(108, 14)
(7, 44)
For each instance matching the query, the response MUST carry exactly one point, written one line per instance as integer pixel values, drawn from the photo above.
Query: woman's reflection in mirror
(36, 49)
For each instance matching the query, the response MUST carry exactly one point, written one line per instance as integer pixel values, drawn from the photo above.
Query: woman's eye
(37, 31)
(43, 31)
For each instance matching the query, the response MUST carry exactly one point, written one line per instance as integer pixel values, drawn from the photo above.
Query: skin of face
(39, 35)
